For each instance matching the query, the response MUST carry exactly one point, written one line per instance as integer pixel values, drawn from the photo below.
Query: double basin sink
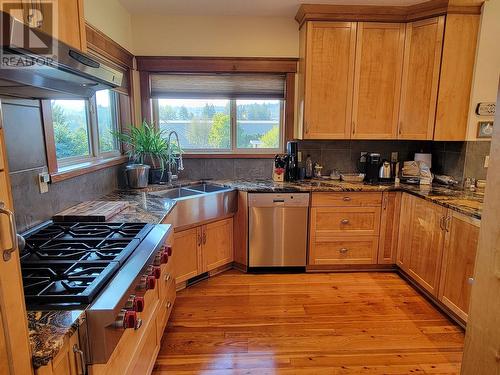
(199, 203)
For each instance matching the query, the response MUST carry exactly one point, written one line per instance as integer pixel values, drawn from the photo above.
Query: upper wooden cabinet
(326, 71)
(422, 61)
(377, 80)
(457, 69)
(386, 80)
(63, 19)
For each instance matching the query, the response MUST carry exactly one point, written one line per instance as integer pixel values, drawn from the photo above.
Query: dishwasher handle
(278, 200)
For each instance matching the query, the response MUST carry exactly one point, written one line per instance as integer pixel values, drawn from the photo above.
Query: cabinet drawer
(166, 306)
(355, 221)
(346, 199)
(146, 357)
(344, 250)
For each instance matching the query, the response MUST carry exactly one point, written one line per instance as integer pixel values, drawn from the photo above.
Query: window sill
(68, 172)
(228, 156)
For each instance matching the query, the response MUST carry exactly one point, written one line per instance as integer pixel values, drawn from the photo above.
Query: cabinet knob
(343, 250)
(470, 280)
(344, 221)
(169, 305)
(346, 199)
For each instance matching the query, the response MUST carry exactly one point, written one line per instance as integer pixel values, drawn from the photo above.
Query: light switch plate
(43, 182)
(486, 161)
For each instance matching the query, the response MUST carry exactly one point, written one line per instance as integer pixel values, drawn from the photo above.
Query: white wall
(110, 17)
(487, 69)
(214, 36)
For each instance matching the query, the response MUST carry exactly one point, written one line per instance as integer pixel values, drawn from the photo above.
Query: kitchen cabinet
(422, 62)
(459, 256)
(403, 247)
(217, 247)
(377, 80)
(66, 362)
(326, 75)
(389, 227)
(425, 243)
(457, 68)
(64, 19)
(344, 228)
(186, 258)
(203, 249)
(14, 345)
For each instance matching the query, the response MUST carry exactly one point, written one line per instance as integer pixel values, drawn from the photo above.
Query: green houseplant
(146, 144)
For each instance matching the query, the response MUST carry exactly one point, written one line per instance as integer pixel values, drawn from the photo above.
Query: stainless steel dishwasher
(277, 229)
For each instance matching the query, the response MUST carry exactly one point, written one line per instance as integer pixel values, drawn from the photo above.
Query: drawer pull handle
(470, 280)
(169, 305)
(81, 354)
(343, 250)
(138, 324)
(344, 221)
(167, 277)
(347, 199)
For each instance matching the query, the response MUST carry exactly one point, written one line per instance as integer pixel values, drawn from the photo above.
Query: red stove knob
(138, 304)
(156, 272)
(130, 319)
(168, 250)
(164, 257)
(150, 282)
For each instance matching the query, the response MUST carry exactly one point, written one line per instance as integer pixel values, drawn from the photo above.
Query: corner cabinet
(326, 75)
(203, 249)
(422, 61)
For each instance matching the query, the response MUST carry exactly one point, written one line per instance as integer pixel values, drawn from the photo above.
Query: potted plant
(145, 144)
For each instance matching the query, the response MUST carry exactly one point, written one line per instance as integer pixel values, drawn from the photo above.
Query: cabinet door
(329, 74)
(217, 244)
(422, 60)
(426, 243)
(389, 227)
(71, 28)
(459, 256)
(403, 246)
(14, 345)
(455, 82)
(187, 253)
(377, 80)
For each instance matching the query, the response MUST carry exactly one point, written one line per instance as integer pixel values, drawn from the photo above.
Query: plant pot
(158, 175)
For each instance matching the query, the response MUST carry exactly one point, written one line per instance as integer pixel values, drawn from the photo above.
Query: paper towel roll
(426, 158)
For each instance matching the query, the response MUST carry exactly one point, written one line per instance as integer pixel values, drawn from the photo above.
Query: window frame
(64, 168)
(233, 118)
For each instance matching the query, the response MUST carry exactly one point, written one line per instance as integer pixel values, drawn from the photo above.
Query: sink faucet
(178, 159)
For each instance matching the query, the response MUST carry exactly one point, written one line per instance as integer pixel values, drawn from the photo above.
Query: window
(225, 113)
(83, 130)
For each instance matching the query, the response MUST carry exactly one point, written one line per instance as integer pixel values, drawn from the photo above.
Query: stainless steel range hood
(63, 73)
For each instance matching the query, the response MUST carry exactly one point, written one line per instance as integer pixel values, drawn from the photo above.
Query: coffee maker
(369, 164)
(292, 170)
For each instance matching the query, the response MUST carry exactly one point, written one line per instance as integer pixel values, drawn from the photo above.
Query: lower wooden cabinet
(459, 256)
(202, 249)
(389, 227)
(425, 243)
(437, 248)
(66, 362)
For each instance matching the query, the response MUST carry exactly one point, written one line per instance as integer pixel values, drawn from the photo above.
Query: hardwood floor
(343, 323)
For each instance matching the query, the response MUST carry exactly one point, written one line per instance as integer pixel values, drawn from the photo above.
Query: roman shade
(221, 85)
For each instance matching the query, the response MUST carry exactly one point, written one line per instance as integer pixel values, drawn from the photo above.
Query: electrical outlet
(299, 156)
(394, 156)
(362, 159)
(486, 161)
(43, 182)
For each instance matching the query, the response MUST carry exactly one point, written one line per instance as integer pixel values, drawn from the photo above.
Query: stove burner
(67, 263)
(70, 281)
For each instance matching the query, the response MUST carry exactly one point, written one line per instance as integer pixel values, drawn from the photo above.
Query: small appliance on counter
(280, 165)
(369, 164)
(385, 172)
(292, 170)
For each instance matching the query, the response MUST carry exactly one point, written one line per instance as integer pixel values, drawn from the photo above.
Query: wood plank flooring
(343, 323)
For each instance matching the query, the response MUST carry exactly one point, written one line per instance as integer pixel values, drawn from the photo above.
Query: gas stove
(103, 268)
(65, 265)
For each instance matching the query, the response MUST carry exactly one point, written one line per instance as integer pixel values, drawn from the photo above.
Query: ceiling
(257, 8)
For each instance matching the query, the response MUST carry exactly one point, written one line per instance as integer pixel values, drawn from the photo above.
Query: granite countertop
(48, 332)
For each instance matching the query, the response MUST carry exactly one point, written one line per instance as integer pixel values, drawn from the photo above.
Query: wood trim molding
(174, 64)
(102, 44)
(48, 133)
(89, 167)
(228, 156)
(428, 9)
(289, 106)
(145, 87)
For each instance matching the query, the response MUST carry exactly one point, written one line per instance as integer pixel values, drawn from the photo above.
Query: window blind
(227, 86)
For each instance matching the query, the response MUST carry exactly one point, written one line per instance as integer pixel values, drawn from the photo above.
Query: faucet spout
(179, 162)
